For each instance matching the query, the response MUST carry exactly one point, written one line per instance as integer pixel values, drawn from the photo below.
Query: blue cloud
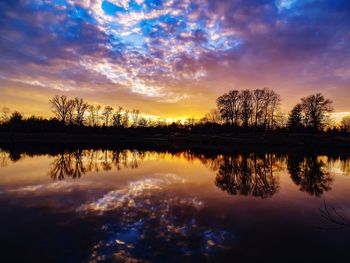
(162, 41)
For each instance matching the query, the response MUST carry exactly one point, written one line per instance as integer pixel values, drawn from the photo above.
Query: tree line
(259, 109)
(78, 112)
(246, 110)
(249, 108)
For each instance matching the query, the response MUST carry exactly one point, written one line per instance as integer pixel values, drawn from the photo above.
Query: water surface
(118, 205)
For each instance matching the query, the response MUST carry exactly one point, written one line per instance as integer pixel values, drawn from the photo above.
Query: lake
(120, 205)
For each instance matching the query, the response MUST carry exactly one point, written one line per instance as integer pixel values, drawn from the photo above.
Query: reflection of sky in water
(159, 205)
(62, 186)
(145, 215)
(127, 196)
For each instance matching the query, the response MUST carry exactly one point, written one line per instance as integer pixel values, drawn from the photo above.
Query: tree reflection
(4, 157)
(310, 173)
(248, 174)
(345, 165)
(61, 167)
(107, 161)
(75, 164)
(239, 174)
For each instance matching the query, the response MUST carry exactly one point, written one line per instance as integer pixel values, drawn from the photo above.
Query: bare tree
(97, 114)
(316, 107)
(222, 103)
(118, 117)
(143, 122)
(295, 119)
(125, 120)
(70, 114)
(246, 106)
(273, 101)
(190, 121)
(234, 98)
(62, 107)
(280, 120)
(5, 112)
(345, 123)
(135, 117)
(15, 117)
(213, 116)
(259, 96)
(92, 117)
(228, 106)
(107, 111)
(80, 108)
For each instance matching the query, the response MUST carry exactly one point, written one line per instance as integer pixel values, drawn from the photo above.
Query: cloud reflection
(145, 214)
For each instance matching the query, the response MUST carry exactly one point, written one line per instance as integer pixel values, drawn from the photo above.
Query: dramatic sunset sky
(171, 58)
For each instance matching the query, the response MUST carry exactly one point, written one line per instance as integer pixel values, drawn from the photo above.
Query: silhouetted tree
(15, 118)
(107, 111)
(5, 112)
(92, 115)
(125, 120)
(135, 117)
(345, 124)
(97, 114)
(258, 96)
(258, 106)
(62, 107)
(213, 116)
(228, 106)
(295, 119)
(118, 117)
(246, 107)
(280, 120)
(80, 108)
(315, 108)
(272, 102)
(143, 122)
(190, 121)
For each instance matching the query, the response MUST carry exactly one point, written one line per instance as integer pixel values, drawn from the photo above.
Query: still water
(144, 206)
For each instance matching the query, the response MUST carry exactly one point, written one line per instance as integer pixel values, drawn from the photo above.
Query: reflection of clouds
(145, 215)
(127, 196)
(62, 186)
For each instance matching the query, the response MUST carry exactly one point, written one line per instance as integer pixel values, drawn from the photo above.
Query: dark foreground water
(137, 206)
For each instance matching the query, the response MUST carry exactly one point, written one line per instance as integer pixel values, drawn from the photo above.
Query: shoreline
(244, 142)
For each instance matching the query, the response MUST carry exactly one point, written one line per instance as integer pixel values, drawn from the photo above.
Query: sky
(172, 58)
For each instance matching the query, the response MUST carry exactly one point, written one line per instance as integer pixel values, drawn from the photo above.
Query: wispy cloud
(170, 51)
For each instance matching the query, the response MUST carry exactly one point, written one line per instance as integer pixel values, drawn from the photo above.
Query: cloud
(164, 50)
